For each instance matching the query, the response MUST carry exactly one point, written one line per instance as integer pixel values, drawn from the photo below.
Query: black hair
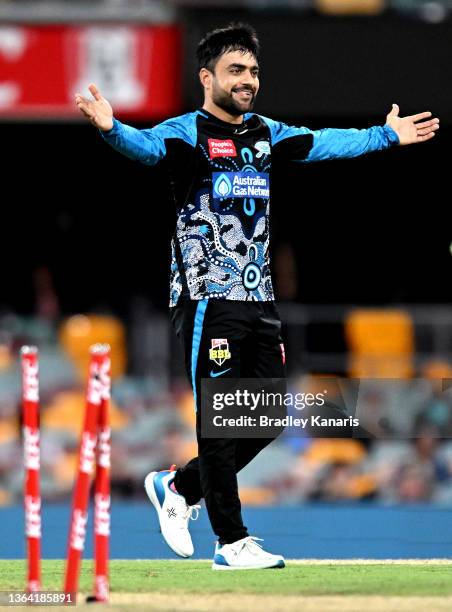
(234, 37)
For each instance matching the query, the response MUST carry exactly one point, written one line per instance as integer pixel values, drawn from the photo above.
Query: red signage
(221, 148)
(137, 68)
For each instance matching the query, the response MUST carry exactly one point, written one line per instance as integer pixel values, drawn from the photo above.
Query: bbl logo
(219, 351)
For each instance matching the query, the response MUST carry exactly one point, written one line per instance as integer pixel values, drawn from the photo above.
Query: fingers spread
(85, 110)
(424, 132)
(420, 116)
(426, 137)
(80, 98)
(394, 112)
(426, 124)
(95, 92)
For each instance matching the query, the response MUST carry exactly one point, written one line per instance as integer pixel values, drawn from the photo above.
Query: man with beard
(221, 297)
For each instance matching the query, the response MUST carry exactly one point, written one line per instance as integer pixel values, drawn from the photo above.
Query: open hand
(414, 128)
(98, 111)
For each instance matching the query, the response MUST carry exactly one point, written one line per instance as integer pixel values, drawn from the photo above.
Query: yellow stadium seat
(79, 332)
(381, 343)
(67, 411)
(9, 430)
(186, 406)
(5, 497)
(350, 7)
(436, 369)
(256, 496)
(361, 485)
(65, 470)
(332, 450)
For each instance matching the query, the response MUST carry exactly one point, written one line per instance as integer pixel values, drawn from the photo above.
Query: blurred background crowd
(361, 274)
(407, 458)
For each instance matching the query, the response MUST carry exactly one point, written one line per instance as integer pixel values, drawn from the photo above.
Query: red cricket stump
(102, 489)
(87, 454)
(32, 495)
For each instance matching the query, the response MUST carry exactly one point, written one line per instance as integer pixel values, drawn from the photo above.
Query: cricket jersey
(220, 177)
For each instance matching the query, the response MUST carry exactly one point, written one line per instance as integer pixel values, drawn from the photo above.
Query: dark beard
(226, 102)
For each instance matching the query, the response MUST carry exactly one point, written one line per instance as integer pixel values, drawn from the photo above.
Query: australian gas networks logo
(240, 185)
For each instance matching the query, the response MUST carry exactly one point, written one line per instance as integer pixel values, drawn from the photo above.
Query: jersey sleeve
(149, 145)
(305, 145)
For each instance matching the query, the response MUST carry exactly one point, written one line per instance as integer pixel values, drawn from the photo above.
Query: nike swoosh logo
(215, 374)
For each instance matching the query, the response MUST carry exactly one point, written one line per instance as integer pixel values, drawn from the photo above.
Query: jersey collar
(226, 124)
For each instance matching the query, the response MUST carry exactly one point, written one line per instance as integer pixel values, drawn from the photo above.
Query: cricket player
(222, 304)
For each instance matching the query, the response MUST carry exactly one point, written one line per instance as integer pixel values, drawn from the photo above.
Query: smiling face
(233, 84)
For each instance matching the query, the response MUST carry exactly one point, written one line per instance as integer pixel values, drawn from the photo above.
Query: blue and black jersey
(220, 178)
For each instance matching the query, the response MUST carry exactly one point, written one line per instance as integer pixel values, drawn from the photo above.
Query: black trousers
(250, 347)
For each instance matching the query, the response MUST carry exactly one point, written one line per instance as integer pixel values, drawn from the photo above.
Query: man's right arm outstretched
(147, 146)
(98, 111)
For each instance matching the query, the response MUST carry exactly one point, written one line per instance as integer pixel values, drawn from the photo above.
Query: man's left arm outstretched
(305, 145)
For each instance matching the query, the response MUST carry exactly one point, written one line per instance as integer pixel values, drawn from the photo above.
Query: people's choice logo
(221, 148)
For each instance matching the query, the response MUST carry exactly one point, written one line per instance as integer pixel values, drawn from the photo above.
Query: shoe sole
(150, 491)
(278, 565)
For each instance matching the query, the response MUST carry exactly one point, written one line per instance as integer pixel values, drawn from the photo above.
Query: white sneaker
(172, 510)
(244, 554)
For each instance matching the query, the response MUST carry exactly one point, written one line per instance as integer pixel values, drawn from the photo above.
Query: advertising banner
(137, 68)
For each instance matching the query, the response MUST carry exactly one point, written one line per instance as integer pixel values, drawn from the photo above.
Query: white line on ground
(330, 561)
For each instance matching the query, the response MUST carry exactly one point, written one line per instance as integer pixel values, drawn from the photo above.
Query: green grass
(197, 577)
